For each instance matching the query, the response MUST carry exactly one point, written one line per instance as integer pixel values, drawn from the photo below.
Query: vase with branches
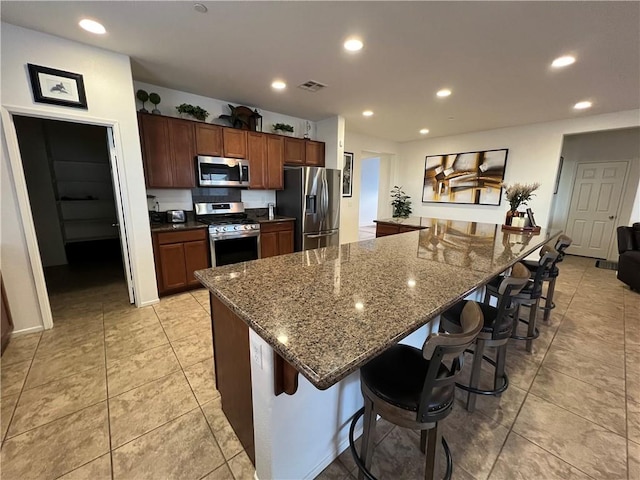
(518, 194)
(400, 203)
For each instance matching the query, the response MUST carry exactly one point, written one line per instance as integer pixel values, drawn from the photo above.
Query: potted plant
(400, 203)
(143, 96)
(196, 112)
(518, 194)
(155, 99)
(283, 129)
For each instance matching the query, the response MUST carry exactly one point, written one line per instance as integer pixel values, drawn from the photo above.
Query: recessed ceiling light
(582, 105)
(279, 85)
(92, 26)
(200, 8)
(445, 92)
(424, 131)
(359, 306)
(563, 61)
(367, 113)
(353, 44)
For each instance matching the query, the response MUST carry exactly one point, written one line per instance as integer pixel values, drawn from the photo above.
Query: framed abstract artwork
(466, 178)
(57, 87)
(347, 175)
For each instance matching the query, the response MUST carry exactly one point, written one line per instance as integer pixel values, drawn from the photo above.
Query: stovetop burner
(225, 220)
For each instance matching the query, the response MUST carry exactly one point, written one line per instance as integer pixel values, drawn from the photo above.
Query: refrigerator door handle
(320, 235)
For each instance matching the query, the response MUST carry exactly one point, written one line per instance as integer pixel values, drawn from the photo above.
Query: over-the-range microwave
(222, 172)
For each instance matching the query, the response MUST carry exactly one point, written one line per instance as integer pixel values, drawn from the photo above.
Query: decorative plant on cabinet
(400, 203)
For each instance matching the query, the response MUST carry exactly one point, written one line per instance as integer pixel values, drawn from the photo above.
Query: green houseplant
(143, 96)
(196, 112)
(282, 128)
(155, 99)
(518, 194)
(400, 203)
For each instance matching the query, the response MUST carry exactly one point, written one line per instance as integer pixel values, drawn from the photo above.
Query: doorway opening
(75, 208)
(369, 188)
(596, 187)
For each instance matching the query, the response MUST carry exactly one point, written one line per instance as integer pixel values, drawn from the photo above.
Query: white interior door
(595, 201)
(117, 195)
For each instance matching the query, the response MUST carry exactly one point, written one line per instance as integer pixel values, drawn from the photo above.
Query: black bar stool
(529, 295)
(561, 246)
(414, 389)
(495, 333)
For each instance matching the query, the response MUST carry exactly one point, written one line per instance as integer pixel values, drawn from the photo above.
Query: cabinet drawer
(183, 236)
(276, 226)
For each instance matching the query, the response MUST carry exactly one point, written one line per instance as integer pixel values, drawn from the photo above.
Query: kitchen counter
(329, 311)
(416, 222)
(171, 227)
(266, 219)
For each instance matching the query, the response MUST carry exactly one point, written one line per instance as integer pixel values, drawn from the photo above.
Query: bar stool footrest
(360, 464)
(497, 391)
(536, 333)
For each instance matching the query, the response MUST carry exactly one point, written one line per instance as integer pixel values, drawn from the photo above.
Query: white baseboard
(326, 461)
(26, 331)
(149, 302)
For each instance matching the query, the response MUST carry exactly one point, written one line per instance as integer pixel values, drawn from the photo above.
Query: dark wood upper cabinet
(156, 150)
(234, 143)
(294, 151)
(275, 162)
(181, 134)
(209, 140)
(257, 156)
(314, 153)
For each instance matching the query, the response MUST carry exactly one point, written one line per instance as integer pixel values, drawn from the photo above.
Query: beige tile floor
(117, 392)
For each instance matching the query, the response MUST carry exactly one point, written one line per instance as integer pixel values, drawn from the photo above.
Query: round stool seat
(527, 292)
(397, 376)
(533, 267)
(453, 314)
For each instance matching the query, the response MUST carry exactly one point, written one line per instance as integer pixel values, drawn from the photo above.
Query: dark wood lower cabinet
(177, 255)
(232, 363)
(7, 321)
(276, 238)
(383, 229)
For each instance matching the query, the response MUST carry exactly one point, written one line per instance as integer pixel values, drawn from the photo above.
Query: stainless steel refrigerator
(312, 196)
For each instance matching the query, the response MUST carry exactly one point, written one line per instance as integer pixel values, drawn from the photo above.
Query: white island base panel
(298, 436)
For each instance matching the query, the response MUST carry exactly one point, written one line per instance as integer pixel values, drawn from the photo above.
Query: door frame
(613, 241)
(18, 179)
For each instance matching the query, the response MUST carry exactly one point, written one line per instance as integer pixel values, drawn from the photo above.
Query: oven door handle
(231, 235)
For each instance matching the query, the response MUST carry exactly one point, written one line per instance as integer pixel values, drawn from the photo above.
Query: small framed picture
(347, 175)
(57, 87)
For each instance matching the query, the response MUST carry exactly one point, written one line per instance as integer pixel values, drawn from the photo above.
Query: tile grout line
(197, 401)
(106, 380)
(6, 437)
(528, 390)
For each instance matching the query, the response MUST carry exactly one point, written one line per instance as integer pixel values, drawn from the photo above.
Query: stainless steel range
(233, 237)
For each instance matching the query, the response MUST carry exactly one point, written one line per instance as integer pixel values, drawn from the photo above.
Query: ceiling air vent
(312, 86)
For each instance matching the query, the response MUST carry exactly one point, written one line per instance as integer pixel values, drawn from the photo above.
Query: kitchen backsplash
(182, 199)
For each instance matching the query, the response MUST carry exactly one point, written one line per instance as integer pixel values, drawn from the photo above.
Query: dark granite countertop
(171, 227)
(265, 218)
(329, 311)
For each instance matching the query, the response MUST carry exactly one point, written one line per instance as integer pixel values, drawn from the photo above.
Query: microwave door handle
(240, 170)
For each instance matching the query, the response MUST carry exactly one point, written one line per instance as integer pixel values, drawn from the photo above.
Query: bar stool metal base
(360, 463)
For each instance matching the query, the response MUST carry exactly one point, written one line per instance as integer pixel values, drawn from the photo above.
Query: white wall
(369, 186)
(363, 146)
(606, 146)
(331, 131)
(534, 154)
(110, 97)
(180, 199)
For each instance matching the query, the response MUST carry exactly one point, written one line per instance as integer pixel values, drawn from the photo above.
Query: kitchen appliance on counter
(176, 216)
(233, 237)
(222, 172)
(312, 196)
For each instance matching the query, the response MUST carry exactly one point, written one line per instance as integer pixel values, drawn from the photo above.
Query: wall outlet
(256, 354)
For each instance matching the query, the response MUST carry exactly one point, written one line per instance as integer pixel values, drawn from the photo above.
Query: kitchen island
(327, 312)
